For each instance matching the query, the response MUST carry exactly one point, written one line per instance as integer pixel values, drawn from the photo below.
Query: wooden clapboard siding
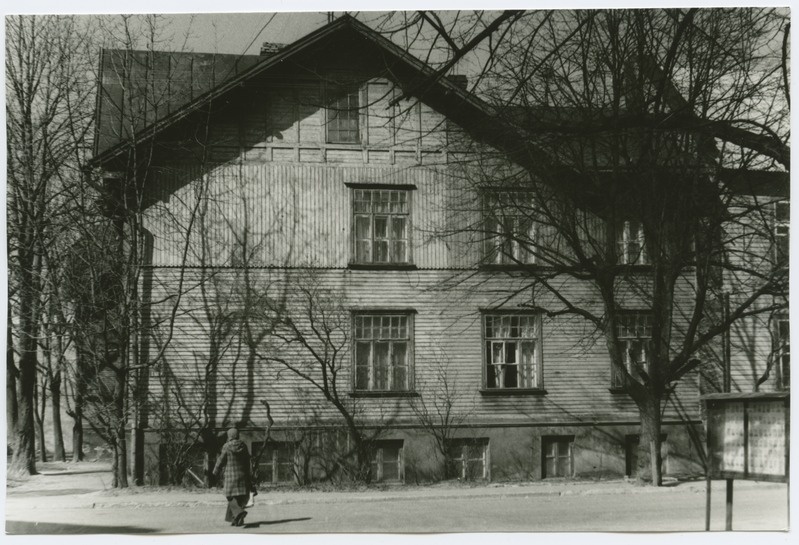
(447, 329)
(751, 338)
(296, 215)
(275, 201)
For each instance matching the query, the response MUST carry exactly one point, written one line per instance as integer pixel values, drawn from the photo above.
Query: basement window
(387, 461)
(467, 459)
(276, 463)
(557, 458)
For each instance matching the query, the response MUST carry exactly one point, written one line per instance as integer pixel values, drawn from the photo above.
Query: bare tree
(47, 97)
(440, 410)
(634, 131)
(309, 337)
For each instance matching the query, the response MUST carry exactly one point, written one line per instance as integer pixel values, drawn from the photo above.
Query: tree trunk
(40, 419)
(12, 410)
(77, 434)
(120, 447)
(121, 465)
(650, 457)
(24, 458)
(58, 435)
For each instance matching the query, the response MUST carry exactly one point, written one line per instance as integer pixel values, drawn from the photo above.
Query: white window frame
(782, 355)
(529, 375)
(632, 234)
(461, 462)
(549, 441)
(782, 230)
(631, 329)
(274, 461)
(384, 204)
(506, 225)
(333, 109)
(378, 460)
(360, 338)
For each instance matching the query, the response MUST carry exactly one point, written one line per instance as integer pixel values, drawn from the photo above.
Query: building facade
(312, 258)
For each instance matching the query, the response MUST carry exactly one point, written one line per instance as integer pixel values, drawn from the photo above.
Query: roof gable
(162, 88)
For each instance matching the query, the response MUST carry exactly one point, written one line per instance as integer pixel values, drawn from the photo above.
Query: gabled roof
(154, 84)
(220, 74)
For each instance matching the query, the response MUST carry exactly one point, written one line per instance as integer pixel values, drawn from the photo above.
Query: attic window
(342, 117)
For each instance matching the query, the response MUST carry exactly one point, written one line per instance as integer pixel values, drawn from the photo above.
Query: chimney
(268, 49)
(460, 80)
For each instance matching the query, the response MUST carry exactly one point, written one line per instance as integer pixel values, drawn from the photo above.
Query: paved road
(755, 509)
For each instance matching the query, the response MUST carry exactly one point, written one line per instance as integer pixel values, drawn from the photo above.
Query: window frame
(617, 381)
(548, 440)
(275, 461)
(410, 354)
(782, 232)
(783, 350)
(332, 98)
(535, 372)
(378, 461)
(625, 238)
(371, 263)
(495, 243)
(461, 463)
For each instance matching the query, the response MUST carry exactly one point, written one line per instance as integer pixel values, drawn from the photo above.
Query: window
(381, 225)
(782, 222)
(276, 463)
(342, 118)
(383, 357)
(510, 230)
(783, 355)
(512, 350)
(630, 243)
(557, 456)
(467, 459)
(634, 331)
(387, 461)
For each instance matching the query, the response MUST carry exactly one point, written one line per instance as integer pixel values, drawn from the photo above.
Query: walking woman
(238, 481)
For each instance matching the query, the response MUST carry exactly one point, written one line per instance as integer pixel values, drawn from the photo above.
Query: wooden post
(728, 526)
(708, 484)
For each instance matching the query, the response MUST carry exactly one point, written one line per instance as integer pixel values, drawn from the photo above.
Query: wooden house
(321, 177)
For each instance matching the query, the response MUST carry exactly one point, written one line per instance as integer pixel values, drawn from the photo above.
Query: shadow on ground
(15, 527)
(269, 522)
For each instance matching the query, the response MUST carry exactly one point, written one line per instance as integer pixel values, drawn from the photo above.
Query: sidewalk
(87, 486)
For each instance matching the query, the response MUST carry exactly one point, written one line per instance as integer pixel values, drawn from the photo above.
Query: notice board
(748, 436)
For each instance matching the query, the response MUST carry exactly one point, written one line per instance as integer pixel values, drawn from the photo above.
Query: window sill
(383, 393)
(507, 267)
(382, 266)
(513, 391)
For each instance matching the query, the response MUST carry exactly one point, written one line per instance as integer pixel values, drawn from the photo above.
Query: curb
(323, 499)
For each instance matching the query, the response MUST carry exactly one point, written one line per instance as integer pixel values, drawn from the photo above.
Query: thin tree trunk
(58, 435)
(77, 435)
(12, 410)
(39, 417)
(121, 450)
